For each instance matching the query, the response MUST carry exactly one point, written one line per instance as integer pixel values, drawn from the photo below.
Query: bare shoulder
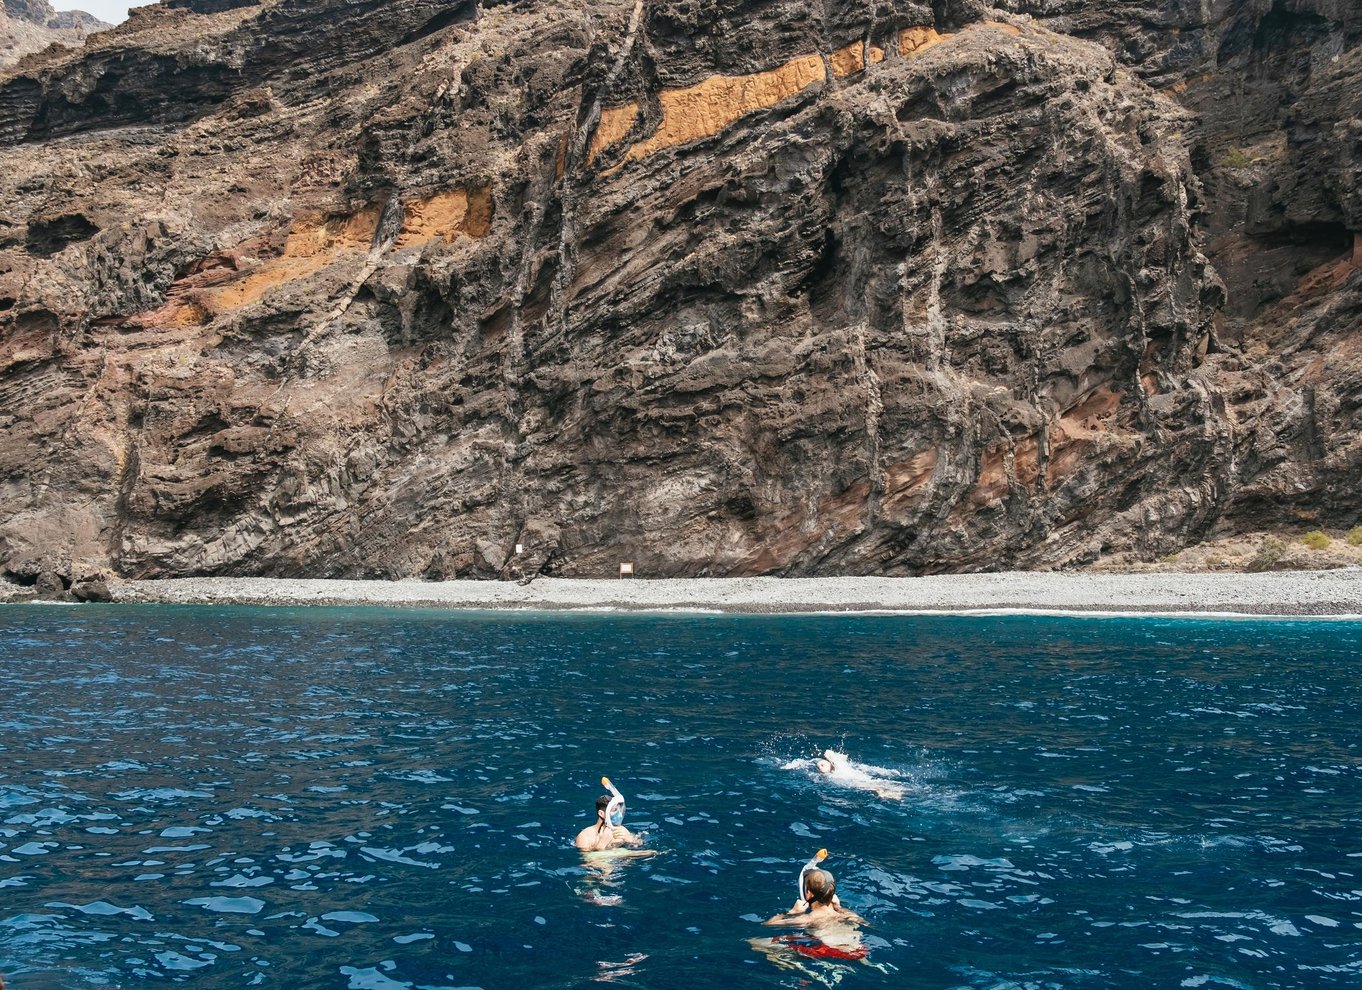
(840, 917)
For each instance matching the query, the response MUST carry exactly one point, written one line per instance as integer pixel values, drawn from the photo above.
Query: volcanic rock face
(31, 25)
(388, 288)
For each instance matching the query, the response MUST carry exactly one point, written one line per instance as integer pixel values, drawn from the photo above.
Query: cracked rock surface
(755, 287)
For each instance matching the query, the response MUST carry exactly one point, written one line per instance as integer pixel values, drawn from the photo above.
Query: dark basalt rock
(47, 237)
(50, 583)
(93, 590)
(389, 288)
(210, 6)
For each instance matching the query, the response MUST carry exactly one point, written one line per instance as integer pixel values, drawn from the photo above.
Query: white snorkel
(614, 811)
(812, 864)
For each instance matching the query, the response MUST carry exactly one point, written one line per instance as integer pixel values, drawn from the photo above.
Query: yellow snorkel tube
(812, 864)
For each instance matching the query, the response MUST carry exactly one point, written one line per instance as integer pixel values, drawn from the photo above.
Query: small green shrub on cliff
(1355, 536)
(1268, 554)
(1236, 158)
(1316, 540)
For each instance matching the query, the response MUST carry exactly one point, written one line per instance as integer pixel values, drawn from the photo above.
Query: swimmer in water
(818, 905)
(829, 940)
(839, 767)
(607, 832)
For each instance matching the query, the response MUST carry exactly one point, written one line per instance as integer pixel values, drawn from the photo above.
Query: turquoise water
(384, 799)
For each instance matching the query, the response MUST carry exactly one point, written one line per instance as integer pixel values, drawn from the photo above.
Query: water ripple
(385, 799)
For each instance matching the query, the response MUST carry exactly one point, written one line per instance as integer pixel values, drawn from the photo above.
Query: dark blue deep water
(385, 799)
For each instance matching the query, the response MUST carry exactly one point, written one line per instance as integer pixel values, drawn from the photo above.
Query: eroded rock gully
(386, 288)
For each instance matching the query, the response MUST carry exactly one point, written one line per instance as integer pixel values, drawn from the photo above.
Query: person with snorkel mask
(818, 903)
(607, 832)
(829, 938)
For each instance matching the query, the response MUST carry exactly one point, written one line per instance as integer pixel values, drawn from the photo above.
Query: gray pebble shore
(1302, 593)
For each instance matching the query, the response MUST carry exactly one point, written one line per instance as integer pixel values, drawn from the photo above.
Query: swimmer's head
(824, 766)
(602, 803)
(819, 887)
(830, 755)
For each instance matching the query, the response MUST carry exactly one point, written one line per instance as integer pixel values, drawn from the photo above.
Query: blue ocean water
(385, 799)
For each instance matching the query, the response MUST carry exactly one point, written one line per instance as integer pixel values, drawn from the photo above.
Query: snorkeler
(839, 767)
(607, 832)
(830, 940)
(818, 903)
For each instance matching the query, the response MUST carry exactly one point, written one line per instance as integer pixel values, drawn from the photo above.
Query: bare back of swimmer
(820, 905)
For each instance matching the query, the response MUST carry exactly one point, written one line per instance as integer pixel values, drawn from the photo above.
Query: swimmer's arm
(623, 836)
(794, 916)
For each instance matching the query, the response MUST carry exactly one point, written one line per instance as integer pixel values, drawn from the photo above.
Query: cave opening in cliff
(1278, 30)
(1282, 27)
(47, 237)
(460, 13)
(1324, 239)
(822, 274)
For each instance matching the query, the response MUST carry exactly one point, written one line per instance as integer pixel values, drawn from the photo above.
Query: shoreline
(1332, 593)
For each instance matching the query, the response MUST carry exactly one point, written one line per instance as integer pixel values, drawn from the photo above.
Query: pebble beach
(1298, 593)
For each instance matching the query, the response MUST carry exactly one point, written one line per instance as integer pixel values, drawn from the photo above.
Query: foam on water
(386, 799)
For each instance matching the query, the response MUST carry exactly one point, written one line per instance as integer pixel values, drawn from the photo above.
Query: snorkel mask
(812, 864)
(614, 811)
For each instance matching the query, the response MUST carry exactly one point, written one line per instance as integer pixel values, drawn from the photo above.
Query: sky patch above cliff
(109, 11)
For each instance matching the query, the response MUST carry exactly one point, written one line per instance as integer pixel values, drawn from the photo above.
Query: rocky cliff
(31, 25)
(374, 288)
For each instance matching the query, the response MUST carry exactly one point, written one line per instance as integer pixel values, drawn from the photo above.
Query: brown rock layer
(388, 288)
